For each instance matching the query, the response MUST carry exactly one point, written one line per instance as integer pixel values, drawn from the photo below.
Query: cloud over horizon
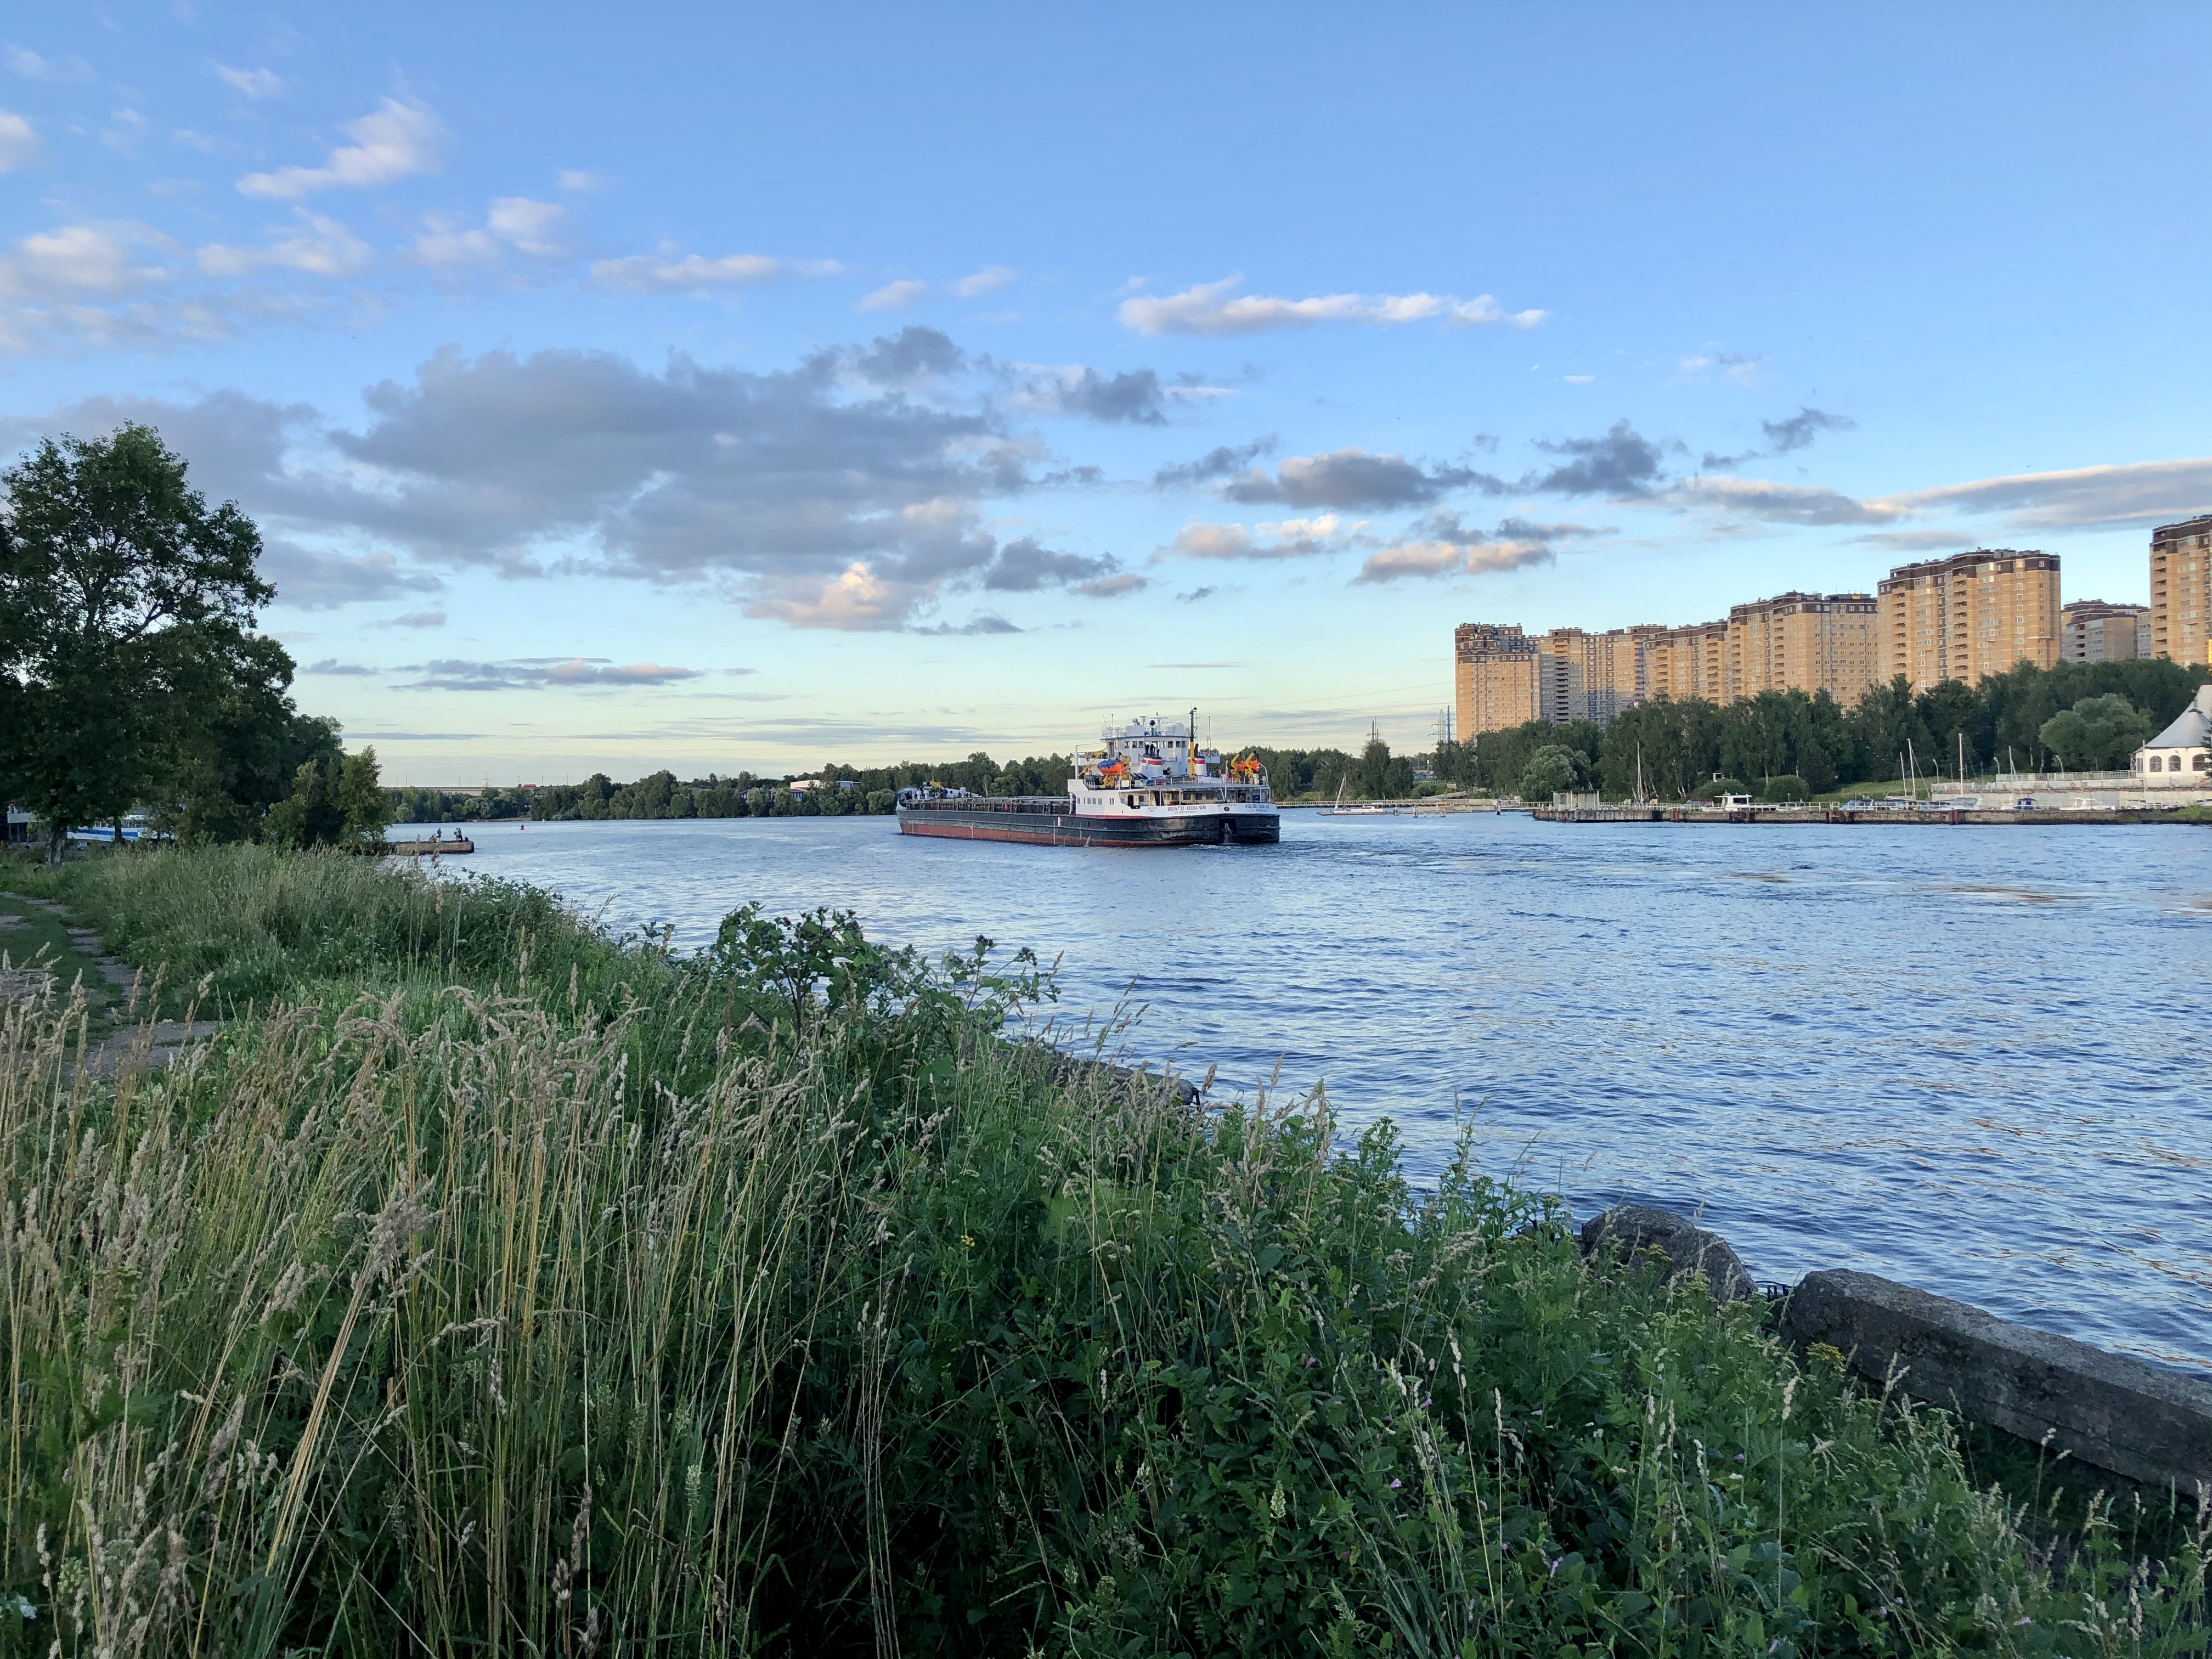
(532, 674)
(1216, 308)
(1439, 545)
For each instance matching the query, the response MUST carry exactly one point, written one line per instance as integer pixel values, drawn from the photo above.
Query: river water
(1977, 1061)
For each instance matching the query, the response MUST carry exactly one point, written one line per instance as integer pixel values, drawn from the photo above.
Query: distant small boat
(135, 826)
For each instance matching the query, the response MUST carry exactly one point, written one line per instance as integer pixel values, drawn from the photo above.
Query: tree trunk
(56, 839)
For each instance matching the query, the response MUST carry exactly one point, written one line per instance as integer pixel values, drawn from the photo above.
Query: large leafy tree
(2097, 733)
(118, 585)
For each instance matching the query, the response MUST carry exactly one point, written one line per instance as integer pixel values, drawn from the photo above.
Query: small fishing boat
(1146, 784)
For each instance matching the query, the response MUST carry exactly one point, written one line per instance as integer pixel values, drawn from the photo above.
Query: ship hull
(1083, 830)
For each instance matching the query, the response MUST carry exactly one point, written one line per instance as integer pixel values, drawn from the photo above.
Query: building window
(2156, 763)
(2202, 763)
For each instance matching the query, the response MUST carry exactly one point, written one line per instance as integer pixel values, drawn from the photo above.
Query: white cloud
(578, 181)
(858, 601)
(541, 230)
(1781, 503)
(1287, 539)
(1424, 557)
(2085, 497)
(1739, 371)
(395, 141)
(318, 245)
(892, 296)
(19, 142)
(129, 127)
(32, 67)
(1215, 308)
(255, 83)
(647, 273)
(78, 261)
(1439, 545)
(538, 228)
(990, 280)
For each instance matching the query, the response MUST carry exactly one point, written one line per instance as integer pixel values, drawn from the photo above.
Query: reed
(528, 1293)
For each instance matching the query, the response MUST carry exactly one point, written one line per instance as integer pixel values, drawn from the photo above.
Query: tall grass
(238, 925)
(504, 1317)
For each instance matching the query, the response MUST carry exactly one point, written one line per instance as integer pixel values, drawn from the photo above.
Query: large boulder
(1688, 1248)
(2121, 1414)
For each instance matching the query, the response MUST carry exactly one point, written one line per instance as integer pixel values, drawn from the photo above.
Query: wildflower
(1394, 1484)
(2017, 1623)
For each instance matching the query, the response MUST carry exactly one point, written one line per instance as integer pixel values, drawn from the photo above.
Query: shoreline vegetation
(1776, 745)
(490, 1284)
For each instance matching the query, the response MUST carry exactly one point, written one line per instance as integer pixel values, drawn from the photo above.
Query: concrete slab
(2119, 1413)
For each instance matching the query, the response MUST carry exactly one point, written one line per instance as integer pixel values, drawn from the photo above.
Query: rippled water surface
(1974, 1060)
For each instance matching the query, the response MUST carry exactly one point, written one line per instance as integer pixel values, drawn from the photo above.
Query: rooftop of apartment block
(2199, 526)
(2027, 558)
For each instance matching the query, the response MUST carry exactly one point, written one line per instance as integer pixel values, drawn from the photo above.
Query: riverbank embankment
(1924, 816)
(489, 1280)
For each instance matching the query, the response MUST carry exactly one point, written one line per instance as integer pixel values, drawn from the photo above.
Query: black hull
(1069, 830)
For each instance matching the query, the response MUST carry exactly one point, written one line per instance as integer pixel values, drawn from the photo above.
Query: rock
(1687, 1248)
(2123, 1415)
(1069, 1070)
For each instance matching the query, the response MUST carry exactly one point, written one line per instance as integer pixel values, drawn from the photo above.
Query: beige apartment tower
(2090, 630)
(1497, 681)
(1969, 616)
(1808, 642)
(2181, 590)
(1691, 662)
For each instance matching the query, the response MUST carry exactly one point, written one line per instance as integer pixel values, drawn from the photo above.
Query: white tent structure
(2180, 758)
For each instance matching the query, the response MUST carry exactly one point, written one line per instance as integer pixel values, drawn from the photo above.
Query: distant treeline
(2083, 716)
(835, 790)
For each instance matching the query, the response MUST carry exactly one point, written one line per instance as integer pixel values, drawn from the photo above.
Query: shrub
(1787, 788)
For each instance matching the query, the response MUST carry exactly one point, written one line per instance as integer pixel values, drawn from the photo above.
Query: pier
(1628, 812)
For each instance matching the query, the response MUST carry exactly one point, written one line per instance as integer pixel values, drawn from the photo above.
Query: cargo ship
(1146, 784)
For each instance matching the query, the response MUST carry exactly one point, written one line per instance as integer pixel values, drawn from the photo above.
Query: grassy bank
(492, 1287)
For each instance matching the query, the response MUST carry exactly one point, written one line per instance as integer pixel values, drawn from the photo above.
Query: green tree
(2097, 734)
(1552, 769)
(1788, 787)
(116, 583)
(239, 755)
(336, 800)
(1379, 776)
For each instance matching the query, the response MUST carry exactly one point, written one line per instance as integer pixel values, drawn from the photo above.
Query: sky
(745, 387)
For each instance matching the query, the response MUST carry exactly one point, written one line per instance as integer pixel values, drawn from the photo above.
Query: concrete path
(144, 1047)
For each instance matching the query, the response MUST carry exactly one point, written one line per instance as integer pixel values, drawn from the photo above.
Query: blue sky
(721, 388)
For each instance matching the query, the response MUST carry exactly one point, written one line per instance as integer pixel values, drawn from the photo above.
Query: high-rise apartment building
(1808, 642)
(2181, 590)
(1691, 662)
(1497, 679)
(2090, 630)
(1957, 618)
(1965, 616)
